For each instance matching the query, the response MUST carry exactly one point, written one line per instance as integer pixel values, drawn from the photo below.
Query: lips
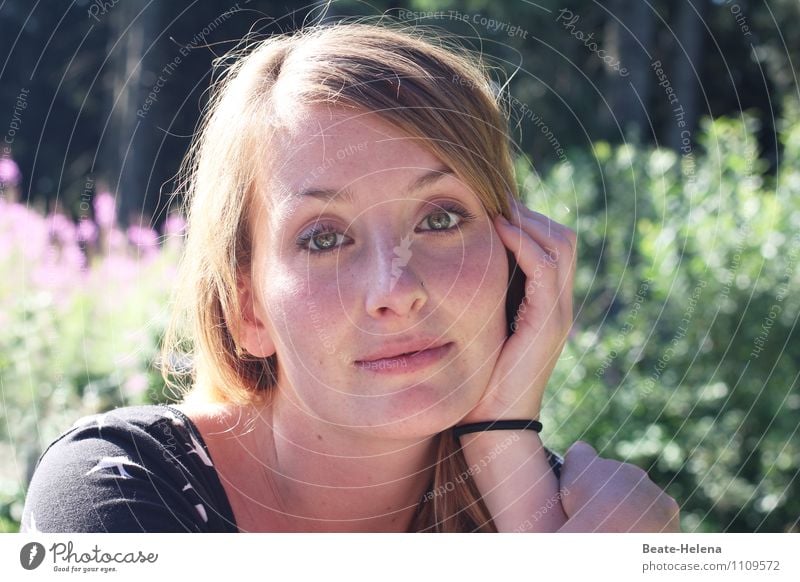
(408, 362)
(407, 348)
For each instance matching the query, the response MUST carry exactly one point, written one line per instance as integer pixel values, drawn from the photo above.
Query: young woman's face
(366, 246)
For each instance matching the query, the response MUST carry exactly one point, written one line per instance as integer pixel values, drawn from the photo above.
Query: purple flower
(59, 273)
(74, 258)
(146, 239)
(105, 210)
(174, 225)
(118, 270)
(60, 228)
(9, 172)
(26, 230)
(116, 241)
(87, 231)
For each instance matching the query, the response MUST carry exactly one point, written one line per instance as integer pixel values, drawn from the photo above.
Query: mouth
(406, 362)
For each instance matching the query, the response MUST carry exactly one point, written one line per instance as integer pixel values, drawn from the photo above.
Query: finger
(542, 310)
(674, 511)
(662, 515)
(554, 237)
(558, 255)
(579, 455)
(520, 209)
(559, 233)
(561, 243)
(550, 257)
(531, 257)
(518, 237)
(581, 462)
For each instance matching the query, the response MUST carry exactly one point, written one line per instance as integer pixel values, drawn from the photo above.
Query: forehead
(322, 148)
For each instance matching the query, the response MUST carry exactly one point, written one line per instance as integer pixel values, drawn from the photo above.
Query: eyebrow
(420, 182)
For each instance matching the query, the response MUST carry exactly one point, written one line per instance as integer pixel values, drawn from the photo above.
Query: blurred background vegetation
(674, 153)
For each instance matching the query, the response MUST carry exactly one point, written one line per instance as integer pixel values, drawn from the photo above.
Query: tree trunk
(631, 48)
(685, 66)
(125, 163)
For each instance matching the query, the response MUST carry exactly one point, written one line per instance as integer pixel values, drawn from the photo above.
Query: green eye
(321, 239)
(325, 238)
(446, 217)
(324, 241)
(439, 221)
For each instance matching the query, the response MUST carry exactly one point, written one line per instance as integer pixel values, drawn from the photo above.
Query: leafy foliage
(684, 356)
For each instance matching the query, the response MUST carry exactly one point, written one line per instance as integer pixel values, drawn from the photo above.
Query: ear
(253, 334)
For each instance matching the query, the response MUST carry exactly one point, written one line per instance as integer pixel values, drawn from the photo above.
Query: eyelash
(445, 206)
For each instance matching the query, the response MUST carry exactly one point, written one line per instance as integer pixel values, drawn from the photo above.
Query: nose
(393, 286)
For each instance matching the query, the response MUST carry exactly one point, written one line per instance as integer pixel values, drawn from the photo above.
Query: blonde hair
(436, 90)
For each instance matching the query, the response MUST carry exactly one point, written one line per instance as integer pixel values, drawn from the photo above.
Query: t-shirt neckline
(227, 509)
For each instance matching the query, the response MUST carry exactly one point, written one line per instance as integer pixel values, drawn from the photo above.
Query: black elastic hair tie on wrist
(534, 425)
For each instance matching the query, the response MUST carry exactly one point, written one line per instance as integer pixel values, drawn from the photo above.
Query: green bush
(684, 355)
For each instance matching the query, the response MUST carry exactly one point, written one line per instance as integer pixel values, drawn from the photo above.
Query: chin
(420, 410)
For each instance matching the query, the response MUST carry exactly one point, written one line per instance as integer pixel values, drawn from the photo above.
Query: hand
(545, 251)
(603, 495)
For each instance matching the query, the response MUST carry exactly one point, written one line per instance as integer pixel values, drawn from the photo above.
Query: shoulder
(155, 432)
(133, 469)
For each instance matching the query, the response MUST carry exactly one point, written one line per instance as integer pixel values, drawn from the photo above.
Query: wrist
(500, 412)
(497, 425)
(490, 439)
(476, 417)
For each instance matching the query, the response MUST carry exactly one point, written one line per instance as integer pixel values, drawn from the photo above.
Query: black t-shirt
(133, 469)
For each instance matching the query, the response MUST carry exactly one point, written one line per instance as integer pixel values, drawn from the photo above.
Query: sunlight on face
(365, 241)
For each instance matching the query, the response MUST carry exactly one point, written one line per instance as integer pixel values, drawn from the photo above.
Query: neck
(331, 479)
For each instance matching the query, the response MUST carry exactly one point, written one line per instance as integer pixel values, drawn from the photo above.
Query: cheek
(480, 275)
(306, 314)
(477, 289)
(290, 306)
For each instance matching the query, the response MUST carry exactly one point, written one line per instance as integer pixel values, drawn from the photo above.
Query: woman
(352, 285)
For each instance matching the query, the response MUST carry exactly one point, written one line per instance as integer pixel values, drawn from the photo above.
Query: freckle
(319, 437)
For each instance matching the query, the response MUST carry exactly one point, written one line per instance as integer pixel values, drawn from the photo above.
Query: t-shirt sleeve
(111, 475)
